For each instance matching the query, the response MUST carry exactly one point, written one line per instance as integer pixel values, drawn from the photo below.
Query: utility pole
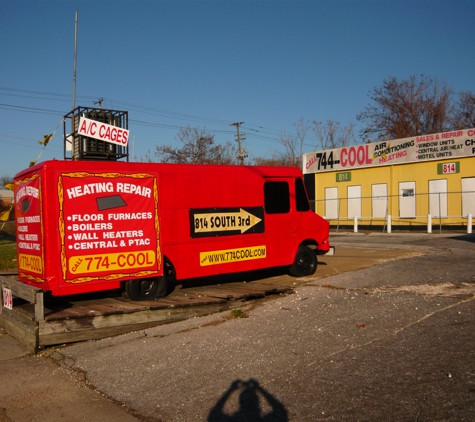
(99, 102)
(242, 154)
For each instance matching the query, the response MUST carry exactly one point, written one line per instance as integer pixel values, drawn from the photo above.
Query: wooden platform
(39, 321)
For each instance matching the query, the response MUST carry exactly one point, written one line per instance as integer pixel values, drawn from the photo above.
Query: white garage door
(379, 196)
(468, 196)
(407, 199)
(354, 201)
(331, 203)
(438, 198)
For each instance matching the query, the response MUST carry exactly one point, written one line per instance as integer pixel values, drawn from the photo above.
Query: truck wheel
(146, 289)
(305, 262)
(151, 288)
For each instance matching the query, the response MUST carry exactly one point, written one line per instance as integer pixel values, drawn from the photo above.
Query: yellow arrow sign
(225, 221)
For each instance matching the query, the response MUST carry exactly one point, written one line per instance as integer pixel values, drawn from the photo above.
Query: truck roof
(263, 171)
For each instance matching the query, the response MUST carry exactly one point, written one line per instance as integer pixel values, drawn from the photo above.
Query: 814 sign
(448, 168)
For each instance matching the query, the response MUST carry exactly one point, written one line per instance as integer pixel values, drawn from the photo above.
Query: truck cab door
(302, 211)
(279, 224)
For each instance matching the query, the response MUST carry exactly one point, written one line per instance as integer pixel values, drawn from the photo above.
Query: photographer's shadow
(250, 394)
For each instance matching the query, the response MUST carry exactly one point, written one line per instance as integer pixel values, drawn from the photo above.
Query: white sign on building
(438, 146)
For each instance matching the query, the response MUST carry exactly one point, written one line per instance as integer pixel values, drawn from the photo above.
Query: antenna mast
(75, 57)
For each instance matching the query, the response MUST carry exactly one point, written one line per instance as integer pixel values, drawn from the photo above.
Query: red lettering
(131, 260)
(104, 132)
(361, 155)
(355, 155)
(452, 134)
(343, 157)
(310, 162)
(83, 127)
(120, 261)
(369, 160)
(352, 157)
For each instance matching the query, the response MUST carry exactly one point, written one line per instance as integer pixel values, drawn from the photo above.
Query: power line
(258, 132)
(30, 109)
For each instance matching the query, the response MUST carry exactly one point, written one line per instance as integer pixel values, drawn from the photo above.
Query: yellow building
(416, 181)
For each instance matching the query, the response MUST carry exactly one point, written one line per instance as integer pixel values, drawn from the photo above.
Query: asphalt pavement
(393, 341)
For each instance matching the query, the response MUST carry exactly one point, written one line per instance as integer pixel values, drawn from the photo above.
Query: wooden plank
(238, 290)
(231, 292)
(209, 292)
(9, 273)
(249, 289)
(28, 338)
(111, 306)
(70, 331)
(39, 307)
(273, 288)
(189, 301)
(85, 312)
(19, 289)
(87, 317)
(20, 327)
(122, 305)
(20, 317)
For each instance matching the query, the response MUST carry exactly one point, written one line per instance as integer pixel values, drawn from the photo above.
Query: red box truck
(85, 226)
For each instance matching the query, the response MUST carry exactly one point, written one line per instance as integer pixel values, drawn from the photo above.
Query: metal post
(440, 217)
(75, 57)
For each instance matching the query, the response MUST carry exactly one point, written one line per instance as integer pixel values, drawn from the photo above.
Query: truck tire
(146, 289)
(305, 262)
(151, 288)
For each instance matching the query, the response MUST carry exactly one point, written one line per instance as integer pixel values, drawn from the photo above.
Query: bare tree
(275, 159)
(290, 143)
(293, 145)
(410, 107)
(465, 112)
(301, 128)
(198, 148)
(147, 158)
(331, 135)
(5, 180)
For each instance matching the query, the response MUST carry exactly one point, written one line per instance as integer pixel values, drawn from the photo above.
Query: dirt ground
(354, 342)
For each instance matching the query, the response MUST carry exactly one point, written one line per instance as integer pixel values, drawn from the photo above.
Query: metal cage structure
(78, 147)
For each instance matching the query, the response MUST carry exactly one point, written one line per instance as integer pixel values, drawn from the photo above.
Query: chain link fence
(408, 211)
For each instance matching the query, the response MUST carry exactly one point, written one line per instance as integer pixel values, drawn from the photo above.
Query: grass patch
(238, 313)
(7, 254)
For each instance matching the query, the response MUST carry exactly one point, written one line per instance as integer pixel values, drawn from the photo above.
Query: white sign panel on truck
(439, 146)
(103, 131)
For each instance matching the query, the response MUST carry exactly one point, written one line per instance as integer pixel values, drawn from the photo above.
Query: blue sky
(211, 63)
